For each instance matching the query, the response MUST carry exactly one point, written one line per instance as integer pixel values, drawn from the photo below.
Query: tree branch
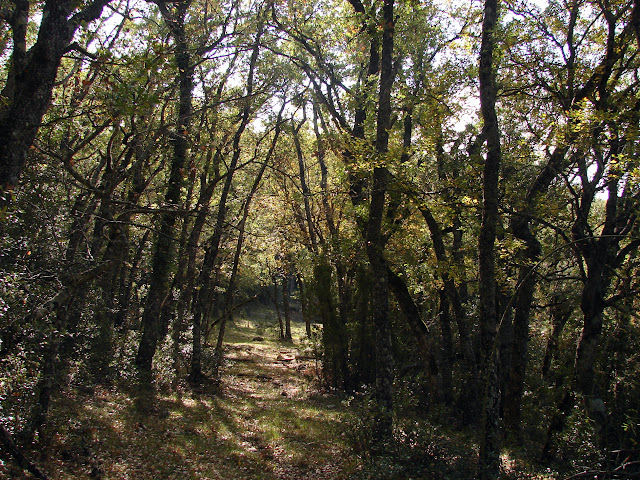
(22, 461)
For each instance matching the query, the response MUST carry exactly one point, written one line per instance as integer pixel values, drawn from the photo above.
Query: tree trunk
(304, 306)
(22, 461)
(39, 412)
(306, 194)
(362, 346)
(375, 239)
(514, 391)
(592, 306)
(322, 273)
(344, 293)
(180, 282)
(520, 226)
(561, 310)
(489, 461)
(420, 330)
(448, 296)
(31, 79)
(164, 255)
(276, 304)
(344, 302)
(286, 308)
(446, 356)
(189, 294)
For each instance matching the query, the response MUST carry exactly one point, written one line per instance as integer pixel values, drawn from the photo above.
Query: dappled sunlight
(267, 420)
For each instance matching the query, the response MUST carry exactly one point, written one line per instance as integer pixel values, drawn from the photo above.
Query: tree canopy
(450, 192)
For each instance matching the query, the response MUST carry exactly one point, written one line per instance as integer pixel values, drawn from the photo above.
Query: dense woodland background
(450, 189)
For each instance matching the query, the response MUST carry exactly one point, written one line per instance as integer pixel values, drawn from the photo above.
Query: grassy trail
(266, 420)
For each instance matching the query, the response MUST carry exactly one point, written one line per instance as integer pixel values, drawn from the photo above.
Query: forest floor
(266, 419)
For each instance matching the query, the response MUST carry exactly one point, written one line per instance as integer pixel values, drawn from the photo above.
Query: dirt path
(266, 420)
(289, 427)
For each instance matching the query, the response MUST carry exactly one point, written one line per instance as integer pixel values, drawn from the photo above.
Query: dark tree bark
(420, 330)
(10, 446)
(448, 296)
(592, 305)
(489, 462)
(333, 335)
(514, 388)
(561, 310)
(362, 346)
(521, 228)
(164, 251)
(286, 307)
(375, 238)
(40, 411)
(32, 76)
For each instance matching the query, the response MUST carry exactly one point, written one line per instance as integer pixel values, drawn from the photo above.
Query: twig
(18, 456)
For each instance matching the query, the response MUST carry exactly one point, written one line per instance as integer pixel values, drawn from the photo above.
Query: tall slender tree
(489, 463)
(164, 253)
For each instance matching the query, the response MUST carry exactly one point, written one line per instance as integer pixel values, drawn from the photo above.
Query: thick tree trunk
(514, 389)
(375, 239)
(489, 461)
(600, 256)
(322, 273)
(31, 80)
(592, 306)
